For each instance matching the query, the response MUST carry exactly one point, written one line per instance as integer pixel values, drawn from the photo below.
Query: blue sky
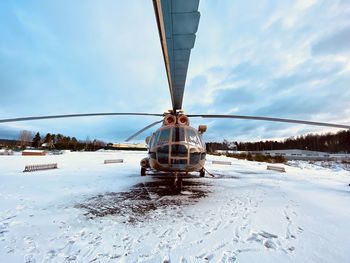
(288, 59)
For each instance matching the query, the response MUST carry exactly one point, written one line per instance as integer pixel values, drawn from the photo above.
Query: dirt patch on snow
(143, 199)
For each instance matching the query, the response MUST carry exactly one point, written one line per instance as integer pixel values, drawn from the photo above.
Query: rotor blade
(142, 130)
(271, 119)
(80, 115)
(177, 23)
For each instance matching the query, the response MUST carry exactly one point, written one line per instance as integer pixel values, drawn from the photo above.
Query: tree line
(330, 142)
(58, 141)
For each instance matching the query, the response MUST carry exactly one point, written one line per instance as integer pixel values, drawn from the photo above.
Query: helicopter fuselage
(175, 147)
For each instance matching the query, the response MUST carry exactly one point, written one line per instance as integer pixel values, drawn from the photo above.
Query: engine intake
(183, 120)
(169, 119)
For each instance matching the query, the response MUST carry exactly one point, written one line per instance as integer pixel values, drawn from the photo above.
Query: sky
(286, 59)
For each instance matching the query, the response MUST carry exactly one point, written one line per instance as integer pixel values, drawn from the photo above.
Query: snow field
(246, 214)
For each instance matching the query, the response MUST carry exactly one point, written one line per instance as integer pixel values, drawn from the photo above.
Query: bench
(113, 161)
(40, 167)
(276, 168)
(221, 162)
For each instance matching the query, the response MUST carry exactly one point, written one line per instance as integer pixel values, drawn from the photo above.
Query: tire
(202, 172)
(143, 171)
(177, 185)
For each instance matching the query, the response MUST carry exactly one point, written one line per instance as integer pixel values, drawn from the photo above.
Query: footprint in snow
(267, 235)
(9, 250)
(30, 245)
(51, 254)
(196, 242)
(216, 226)
(166, 233)
(268, 240)
(166, 260)
(227, 257)
(206, 256)
(269, 244)
(29, 258)
(3, 230)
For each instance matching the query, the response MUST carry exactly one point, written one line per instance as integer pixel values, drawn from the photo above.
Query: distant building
(341, 157)
(297, 154)
(225, 151)
(48, 145)
(6, 152)
(31, 152)
(128, 146)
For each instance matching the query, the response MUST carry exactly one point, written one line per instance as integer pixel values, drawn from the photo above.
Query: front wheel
(143, 171)
(177, 185)
(202, 172)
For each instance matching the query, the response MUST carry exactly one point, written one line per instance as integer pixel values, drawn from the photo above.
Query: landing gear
(143, 171)
(202, 172)
(177, 186)
(144, 165)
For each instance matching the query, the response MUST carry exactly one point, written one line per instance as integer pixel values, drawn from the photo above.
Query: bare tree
(25, 138)
(87, 143)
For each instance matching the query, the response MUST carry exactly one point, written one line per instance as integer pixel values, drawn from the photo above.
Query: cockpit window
(154, 139)
(178, 134)
(202, 141)
(178, 150)
(192, 137)
(164, 137)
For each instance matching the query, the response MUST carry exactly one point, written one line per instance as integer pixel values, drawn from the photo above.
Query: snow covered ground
(87, 211)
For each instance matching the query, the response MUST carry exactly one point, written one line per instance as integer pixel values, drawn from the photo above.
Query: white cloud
(106, 56)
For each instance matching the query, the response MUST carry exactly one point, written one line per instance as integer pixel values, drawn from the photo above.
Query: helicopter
(176, 148)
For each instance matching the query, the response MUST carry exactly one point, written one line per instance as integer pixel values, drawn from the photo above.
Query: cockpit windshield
(164, 136)
(192, 137)
(176, 134)
(154, 139)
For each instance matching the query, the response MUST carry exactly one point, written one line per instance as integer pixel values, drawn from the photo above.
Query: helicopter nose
(179, 150)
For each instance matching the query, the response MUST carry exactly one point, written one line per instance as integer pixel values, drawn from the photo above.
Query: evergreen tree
(48, 138)
(333, 143)
(36, 140)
